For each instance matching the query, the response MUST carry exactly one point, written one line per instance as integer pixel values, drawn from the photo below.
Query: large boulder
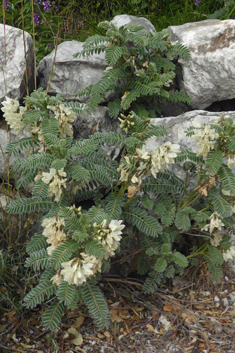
(122, 20)
(176, 128)
(15, 46)
(209, 75)
(5, 138)
(66, 74)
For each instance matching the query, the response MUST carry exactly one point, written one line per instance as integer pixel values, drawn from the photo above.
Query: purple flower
(46, 5)
(39, 2)
(49, 46)
(36, 19)
(197, 2)
(7, 7)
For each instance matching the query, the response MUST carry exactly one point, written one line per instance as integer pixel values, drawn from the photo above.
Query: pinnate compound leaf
(215, 255)
(227, 178)
(168, 218)
(145, 223)
(38, 294)
(221, 206)
(179, 259)
(38, 259)
(94, 299)
(66, 292)
(27, 205)
(114, 108)
(114, 53)
(51, 319)
(182, 220)
(95, 248)
(37, 242)
(214, 259)
(152, 282)
(214, 161)
(231, 142)
(63, 252)
(160, 265)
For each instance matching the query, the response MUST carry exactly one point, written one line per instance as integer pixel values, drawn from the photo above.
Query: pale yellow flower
(57, 182)
(206, 139)
(57, 278)
(76, 271)
(229, 254)
(65, 116)
(13, 114)
(53, 230)
(163, 156)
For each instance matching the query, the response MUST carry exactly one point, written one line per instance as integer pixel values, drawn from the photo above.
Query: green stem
(190, 203)
(200, 250)
(182, 197)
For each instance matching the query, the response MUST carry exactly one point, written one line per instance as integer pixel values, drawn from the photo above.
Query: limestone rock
(121, 20)
(209, 75)
(13, 71)
(5, 138)
(70, 74)
(97, 120)
(176, 127)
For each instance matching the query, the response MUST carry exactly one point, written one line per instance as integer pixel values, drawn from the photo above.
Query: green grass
(77, 19)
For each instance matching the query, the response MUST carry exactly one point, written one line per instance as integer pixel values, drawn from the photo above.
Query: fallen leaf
(78, 323)
(100, 335)
(78, 337)
(26, 345)
(115, 316)
(165, 323)
(2, 328)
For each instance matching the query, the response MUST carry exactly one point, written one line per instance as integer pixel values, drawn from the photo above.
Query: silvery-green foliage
(141, 69)
(163, 213)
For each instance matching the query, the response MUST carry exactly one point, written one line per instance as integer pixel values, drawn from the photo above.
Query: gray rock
(122, 20)
(95, 121)
(209, 75)
(70, 74)
(13, 73)
(176, 127)
(5, 138)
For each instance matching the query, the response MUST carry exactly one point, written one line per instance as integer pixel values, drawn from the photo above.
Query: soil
(190, 315)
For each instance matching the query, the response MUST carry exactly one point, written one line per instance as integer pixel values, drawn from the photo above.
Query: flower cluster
(205, 137)
(197, 2)
(109, 236)
(229, 254)
(56, 180)
(54, 231)
(163, 156)
(126, 122)
(231, 160)
(215, 223)
(146, 164)
(36, 18)
(6, 3)
(47, 5)
(77, 270)
(65, 116)
(13, 114)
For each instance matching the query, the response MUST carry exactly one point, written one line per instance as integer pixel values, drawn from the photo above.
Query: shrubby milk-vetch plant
(75, 245)
(141, 69)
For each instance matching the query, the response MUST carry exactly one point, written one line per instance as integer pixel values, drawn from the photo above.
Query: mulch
(187, 316)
